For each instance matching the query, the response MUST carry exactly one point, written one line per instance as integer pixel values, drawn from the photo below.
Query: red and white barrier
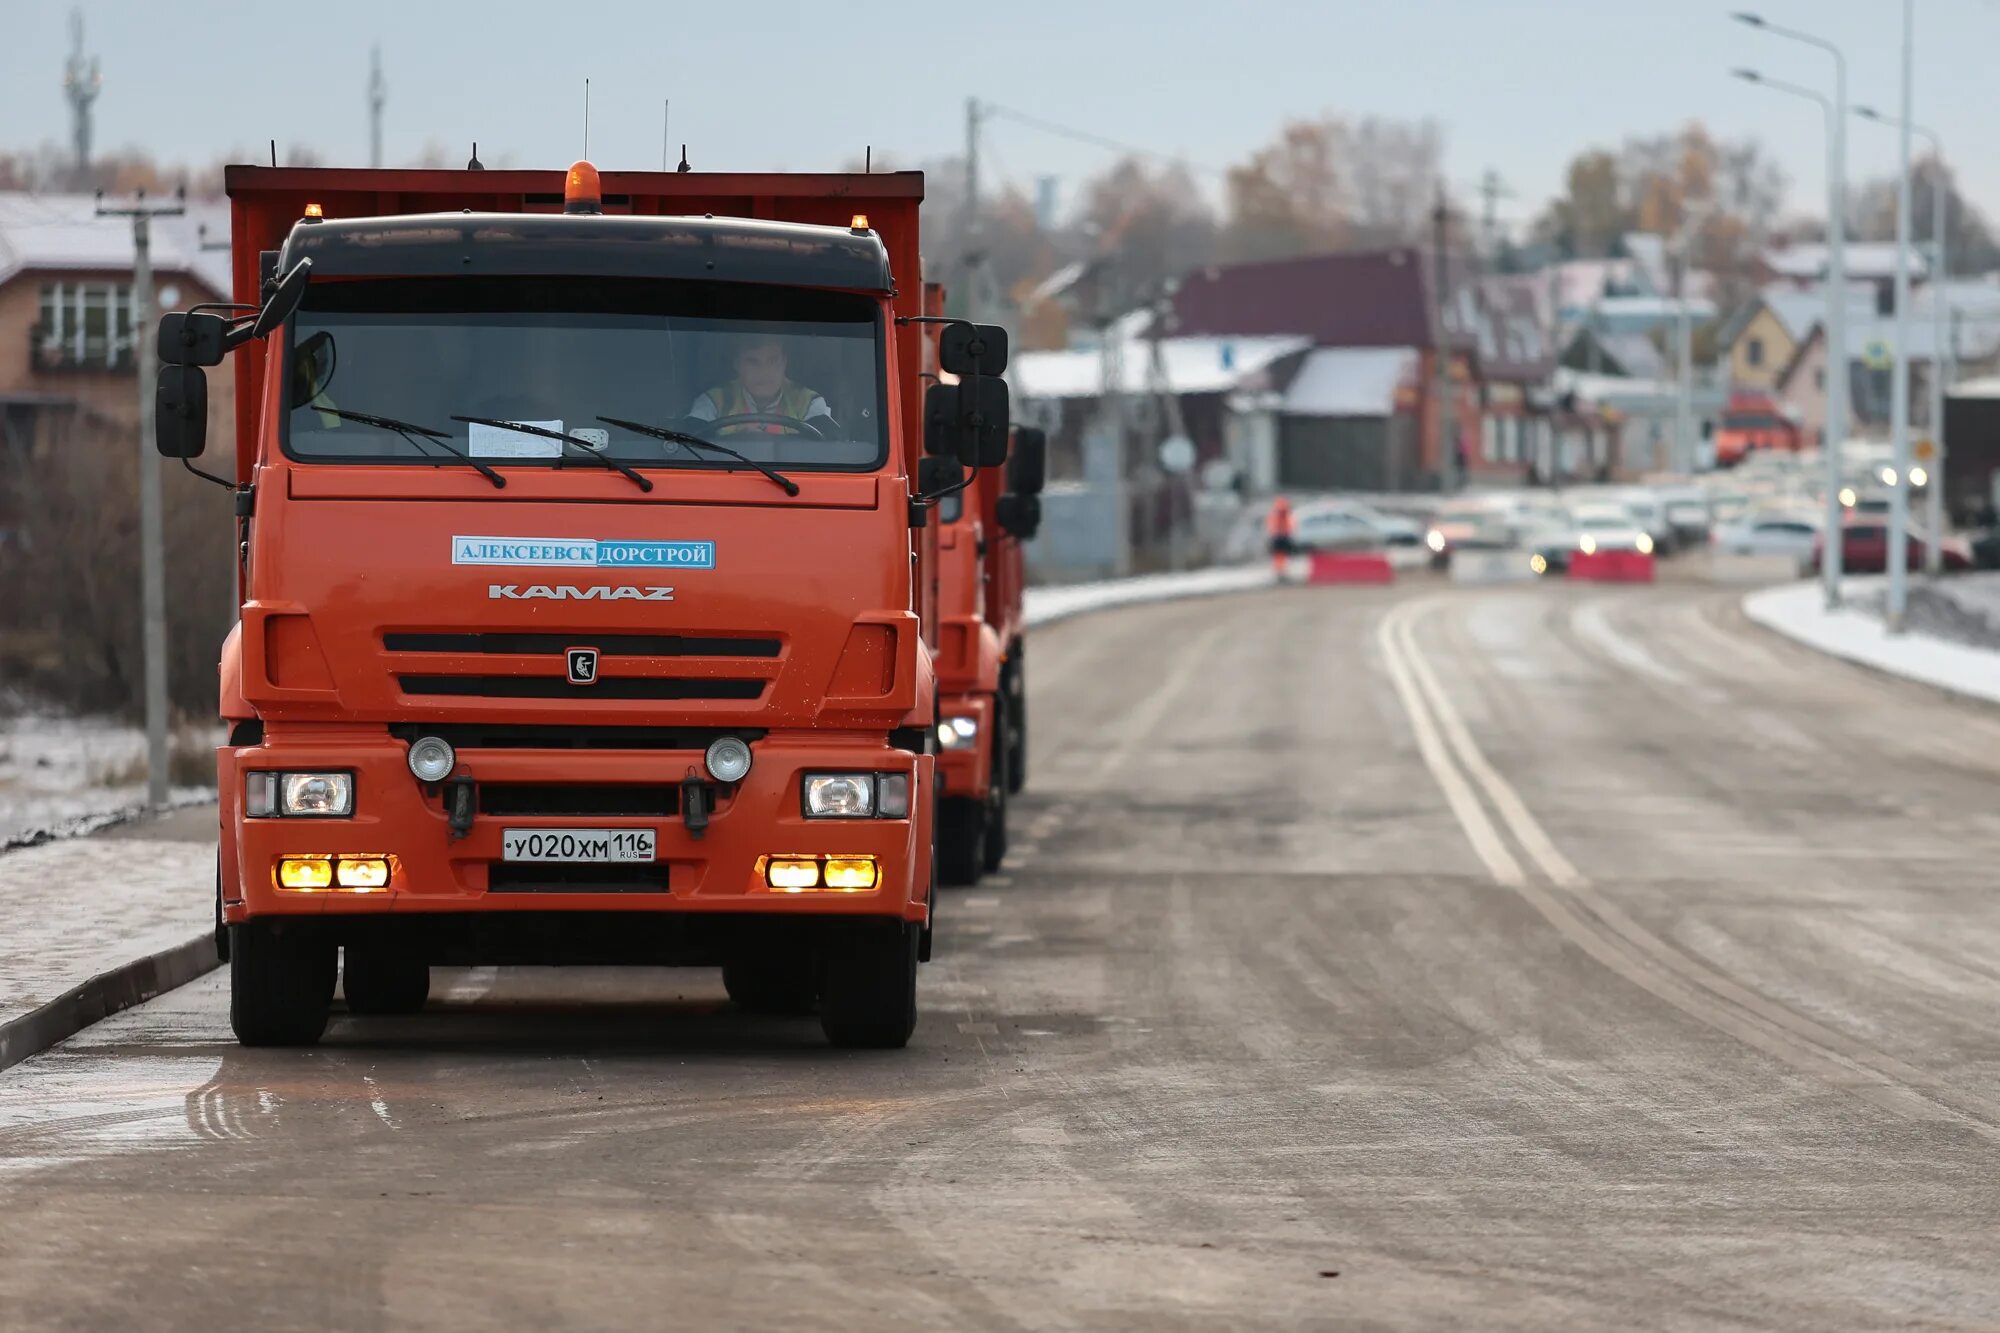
(1611, 566)
(1349, 567)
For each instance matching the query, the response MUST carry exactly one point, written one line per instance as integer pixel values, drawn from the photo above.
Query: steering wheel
(796, 424)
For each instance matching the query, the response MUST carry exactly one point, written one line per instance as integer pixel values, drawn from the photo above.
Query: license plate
(577, 844)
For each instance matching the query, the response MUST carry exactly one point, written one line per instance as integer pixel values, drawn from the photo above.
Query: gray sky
(1517, 87)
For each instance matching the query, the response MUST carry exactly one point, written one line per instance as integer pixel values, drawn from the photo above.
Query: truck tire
(993, 849)
(280, 983)
(378, 979)
(1016, 693)
(870, 998)
(780, 984)
(961, 840)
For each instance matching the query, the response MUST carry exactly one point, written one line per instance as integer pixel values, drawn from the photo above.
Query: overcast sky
(1516, 86)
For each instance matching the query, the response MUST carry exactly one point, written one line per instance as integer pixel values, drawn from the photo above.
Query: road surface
(1505, 957)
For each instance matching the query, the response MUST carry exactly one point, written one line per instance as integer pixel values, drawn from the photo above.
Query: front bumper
(397, 817)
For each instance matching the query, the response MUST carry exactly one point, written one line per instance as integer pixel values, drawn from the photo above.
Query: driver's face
(762, 369)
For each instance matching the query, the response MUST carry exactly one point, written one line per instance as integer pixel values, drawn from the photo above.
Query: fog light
(305, 872)
(728, 759)
(362, 873)
(850, 872)
(432, 759)
(792, 872)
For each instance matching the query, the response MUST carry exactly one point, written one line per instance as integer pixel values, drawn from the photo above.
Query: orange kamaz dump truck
(982, 657)
(588, 568)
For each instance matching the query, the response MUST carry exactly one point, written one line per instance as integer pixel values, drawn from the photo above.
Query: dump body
(577, 639)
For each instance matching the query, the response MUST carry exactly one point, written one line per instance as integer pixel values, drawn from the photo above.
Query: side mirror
(1028, 467)
(1020, 515)
(180, 412)
(937, 475)
(192, 339)
(284, 299)
(968, 421)
(972, 349)
(983, 408)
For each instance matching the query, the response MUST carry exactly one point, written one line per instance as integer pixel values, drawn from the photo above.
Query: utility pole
(152, 543)
(1491, 190)
(81, 84)
(1448, 477)
(973, 257)
(378, 94)
(1899, 386)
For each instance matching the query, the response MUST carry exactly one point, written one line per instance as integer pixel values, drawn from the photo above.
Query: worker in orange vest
(1279, 525)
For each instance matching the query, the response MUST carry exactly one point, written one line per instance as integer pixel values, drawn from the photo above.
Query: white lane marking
(978, 900)
(1479, 830)
(1608, 934)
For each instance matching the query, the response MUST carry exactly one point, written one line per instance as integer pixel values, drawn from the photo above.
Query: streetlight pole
(1899, 386)
(1684, 448)
(1941, 350)
(1832, 445)
(152, 541)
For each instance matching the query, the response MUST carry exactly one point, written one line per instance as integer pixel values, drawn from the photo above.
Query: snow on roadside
(1046, 605)
(1798, 612)
(56, 771)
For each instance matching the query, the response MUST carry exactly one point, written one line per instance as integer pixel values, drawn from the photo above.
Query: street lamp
(1684, 449)
(1835, 436)
(1940, 203)
(1899, 385)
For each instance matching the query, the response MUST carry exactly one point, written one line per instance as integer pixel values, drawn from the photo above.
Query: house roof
(62, 231)
(1869, 260)
(1193, 365)
(1365, 299)
(1350, 381)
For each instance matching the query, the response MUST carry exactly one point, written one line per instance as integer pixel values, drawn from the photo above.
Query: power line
(1096, 140)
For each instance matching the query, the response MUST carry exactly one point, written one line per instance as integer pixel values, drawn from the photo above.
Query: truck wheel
(1017, 721)
(280, 983)
(994, 848)
(870, 998)
(378, 979)
(961, 840)
(779, 985)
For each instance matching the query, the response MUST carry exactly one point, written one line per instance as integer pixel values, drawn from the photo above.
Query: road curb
(104, 995)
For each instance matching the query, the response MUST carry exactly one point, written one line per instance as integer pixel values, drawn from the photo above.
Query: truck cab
(586, 585)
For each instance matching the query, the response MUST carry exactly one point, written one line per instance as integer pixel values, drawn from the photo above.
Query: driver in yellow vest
(762, 387)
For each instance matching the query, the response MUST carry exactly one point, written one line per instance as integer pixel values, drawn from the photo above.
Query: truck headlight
(317, 795)
(301, 795)
(839, 795)
(958, 733)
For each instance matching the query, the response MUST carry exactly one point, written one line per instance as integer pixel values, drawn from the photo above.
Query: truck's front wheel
(280, 982)
(378, 979)
(870, 996)
(961, 839)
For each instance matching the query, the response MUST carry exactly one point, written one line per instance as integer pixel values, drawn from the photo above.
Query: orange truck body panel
(813, 632)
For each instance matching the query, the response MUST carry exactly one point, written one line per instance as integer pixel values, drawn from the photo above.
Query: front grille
(605, 687)
(536, 877)
(610, 645)
(543, 736)
(661, 800)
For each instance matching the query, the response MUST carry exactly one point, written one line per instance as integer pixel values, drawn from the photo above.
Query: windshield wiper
(682, 437)
(641, 482)
(416, 435)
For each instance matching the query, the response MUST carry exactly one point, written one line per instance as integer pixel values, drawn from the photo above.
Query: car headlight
(1435, 540)
(299, 795)
(958, 733)
(1645, 544)
(1587, 545)
(728, 759)
(839, 795)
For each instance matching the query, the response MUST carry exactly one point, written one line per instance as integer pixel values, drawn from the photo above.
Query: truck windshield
(789, 377)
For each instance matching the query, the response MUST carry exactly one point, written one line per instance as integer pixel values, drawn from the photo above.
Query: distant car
(1391, 530)
(1611, 528)
(1791, 535)
(1864, 549)
(1548, 537)
(1329, 528)
(1473, 525)
(1688, 517)
(1649, 513)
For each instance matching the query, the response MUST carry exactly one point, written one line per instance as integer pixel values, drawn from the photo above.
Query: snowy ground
(65, 775)
(1050, 604)
(1962, 663)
